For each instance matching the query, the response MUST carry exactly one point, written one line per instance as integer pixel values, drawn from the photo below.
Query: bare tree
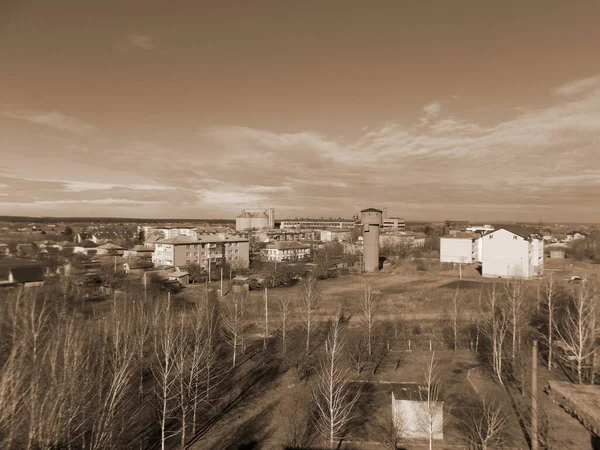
(266, 311)
(368, 314)
(165, 369)
(333, 397)
(550, 290)
(284, 320)
(579, 328)
(235, 322)
(310, 305)
(484, 423)
(358, 356)
(393, 429)
(114, 409)
(517, 311)
(431, 412)
(296, 413)
(454, 317)
(496, 326)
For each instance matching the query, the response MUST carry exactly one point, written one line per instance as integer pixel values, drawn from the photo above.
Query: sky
(463, 110)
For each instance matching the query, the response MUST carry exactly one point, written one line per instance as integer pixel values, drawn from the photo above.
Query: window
(514, 237)
(491, 236)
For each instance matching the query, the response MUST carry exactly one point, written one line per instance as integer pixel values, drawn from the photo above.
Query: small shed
(182, 277)
(412, 416)
(558, 254)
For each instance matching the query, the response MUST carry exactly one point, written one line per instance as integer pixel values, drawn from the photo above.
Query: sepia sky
(193, 109)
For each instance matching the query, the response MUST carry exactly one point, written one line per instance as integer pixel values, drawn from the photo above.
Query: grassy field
(411, 308)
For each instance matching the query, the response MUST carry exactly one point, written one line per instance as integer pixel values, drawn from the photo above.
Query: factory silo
(371, 220)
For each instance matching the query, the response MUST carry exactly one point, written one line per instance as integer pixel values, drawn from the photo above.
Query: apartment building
(502, 253)
(394, 224)
(202, 250)
(287, 251)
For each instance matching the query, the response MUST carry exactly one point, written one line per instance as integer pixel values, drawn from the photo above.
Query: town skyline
(469, 111)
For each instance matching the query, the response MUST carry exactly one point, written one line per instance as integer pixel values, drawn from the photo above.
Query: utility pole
(221, 281)
(534, 409)
(460, 271)
(115, 264)
(145, 299)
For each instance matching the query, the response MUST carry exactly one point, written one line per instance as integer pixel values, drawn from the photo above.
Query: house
(151, 241)
(461, 247)
(510, 255)
(24, 272)
(203, 250)
(182, 277)
(83, 236)
(575, 235)
(139, 251)
(110, 249)
(411, 415)
(4, 250)
(86, 247)
(137, 266)
(287, 251)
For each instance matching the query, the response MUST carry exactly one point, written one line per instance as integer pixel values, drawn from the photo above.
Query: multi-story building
(336, 235)
(393, 224)
(510, 255)
(316, 223)
(202, 250)
(460, 247)
(287, 251)
(502, 253)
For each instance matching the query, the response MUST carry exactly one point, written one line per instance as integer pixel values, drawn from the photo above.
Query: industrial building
(183, 250)
(502, 253)
(255, 219)
(372, 221)
(316, 223)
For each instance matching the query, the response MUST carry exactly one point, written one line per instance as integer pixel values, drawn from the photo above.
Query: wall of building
(456, 250)
(505, 255)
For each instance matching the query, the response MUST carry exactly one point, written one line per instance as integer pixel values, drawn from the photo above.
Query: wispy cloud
(52, 119)
(141, 42)
(432, 109)
(535, 161)
(578, 86)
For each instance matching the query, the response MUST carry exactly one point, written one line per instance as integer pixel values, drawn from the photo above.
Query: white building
(460, 247)
(508, 255)
(287, 251)
(337, 235)
(393, 224)
(480, 228)
(415, 420)
(315, 223)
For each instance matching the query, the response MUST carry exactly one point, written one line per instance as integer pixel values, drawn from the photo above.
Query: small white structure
(413, 418)
(480, 228)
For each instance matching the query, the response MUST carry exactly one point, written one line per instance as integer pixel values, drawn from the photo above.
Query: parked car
(576, 279)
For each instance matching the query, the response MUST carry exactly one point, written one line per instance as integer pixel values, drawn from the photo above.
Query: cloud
(578, 86)
(536, 162)
(432, 109)
(140, 41)
(52, 119)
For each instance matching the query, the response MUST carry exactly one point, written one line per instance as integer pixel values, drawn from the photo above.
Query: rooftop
(462, 235)
(287, 245)
(202, 239)
(371, 210)
(28, 274)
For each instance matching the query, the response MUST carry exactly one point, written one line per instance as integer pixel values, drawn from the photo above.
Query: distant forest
(106, 220)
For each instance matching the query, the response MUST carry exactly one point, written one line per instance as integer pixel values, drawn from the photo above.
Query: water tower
(371, 220)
